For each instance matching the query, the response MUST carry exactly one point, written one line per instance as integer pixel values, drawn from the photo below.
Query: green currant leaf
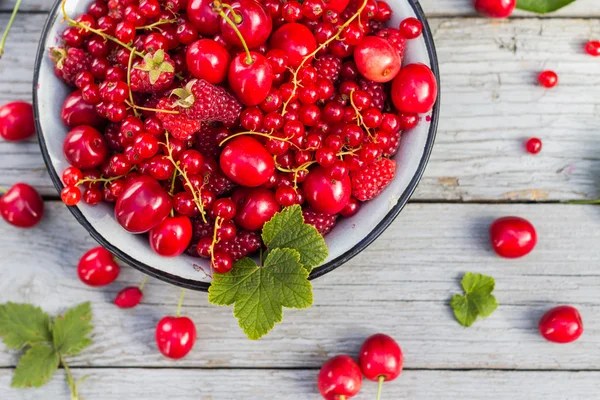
(259, 294)
(24, 324)
(477, 300)
(542, 6)
(287, 230)
(71, 330)
(36, 366)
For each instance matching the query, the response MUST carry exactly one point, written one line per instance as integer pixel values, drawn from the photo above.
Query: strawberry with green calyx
(154, 74)
(178, 125)
(69, 62)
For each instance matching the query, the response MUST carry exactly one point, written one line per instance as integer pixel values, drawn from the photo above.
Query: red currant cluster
(201, 119)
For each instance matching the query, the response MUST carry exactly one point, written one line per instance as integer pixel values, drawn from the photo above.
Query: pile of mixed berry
(201, 119)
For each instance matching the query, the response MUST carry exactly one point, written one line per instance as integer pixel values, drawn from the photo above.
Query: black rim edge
(203, 286)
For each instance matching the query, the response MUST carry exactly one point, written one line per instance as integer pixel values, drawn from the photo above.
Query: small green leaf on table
(72, 329)
(477, 301)
(35, 367)
(23, 324)
(542, 6)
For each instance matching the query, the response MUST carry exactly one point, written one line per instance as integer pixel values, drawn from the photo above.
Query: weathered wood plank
(490, 105)
(433, 8)
(400, 285)
(301, 385)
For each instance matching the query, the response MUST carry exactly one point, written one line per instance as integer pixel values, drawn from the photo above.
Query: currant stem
(218, 223)
(70, 380)
(151, 109)
(381, 380)
(236, 18)
(72, 22)
(10, 22)
(135, 111)
(178, 312)
(267, 135)
(321, 46)
(239, 34)
(141, 287)
(157, 23)
(359, 119)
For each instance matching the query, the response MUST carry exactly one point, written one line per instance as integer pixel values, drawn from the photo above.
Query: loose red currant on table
(97, 267)
(533, 145)
(593, 48)
(340, 378)
(495, 8)
(411, 28)
(561, 324)
(548, 79)
(512, 237)
(380, 359)
(129, 297)
(16, 121)
(22, 206)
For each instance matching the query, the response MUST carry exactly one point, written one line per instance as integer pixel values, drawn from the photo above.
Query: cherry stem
(135, 111)
(70, 380)
(236, 18)
(239, 34)
(141, 287)
(321, 46)
(178, 312)
(585, 202)
(381, 380)
(2, 190)
(10, 22)
(266, 135)
(96, 31)
(157, 23)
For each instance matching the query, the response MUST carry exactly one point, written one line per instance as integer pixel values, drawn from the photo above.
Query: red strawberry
(69, 62)
(178, 125)
(154, 74)
(242, 245)
(206, 102)
(370, 180)
(324, 223)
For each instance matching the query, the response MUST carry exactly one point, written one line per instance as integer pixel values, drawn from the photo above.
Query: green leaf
(23, 324)
(542, 6)
(159, 56)
(477, 300)
(35, 367)
(287, 230)
(260, 293)
(154, 75)
(71, 330)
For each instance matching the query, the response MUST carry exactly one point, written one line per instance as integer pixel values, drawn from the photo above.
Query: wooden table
(400, 285)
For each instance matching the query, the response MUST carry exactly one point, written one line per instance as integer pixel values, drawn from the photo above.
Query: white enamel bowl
(349, 237)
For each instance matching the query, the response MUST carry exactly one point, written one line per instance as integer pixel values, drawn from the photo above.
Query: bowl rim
(204, 286)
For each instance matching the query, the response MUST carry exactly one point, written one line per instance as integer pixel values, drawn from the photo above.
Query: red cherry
(593, 48)
(561, 324)
(84, 147)
(175, 336)
(512, 237)
(325, 194)
(251, 19)
(76, 111)
(97, 267)
(245, 161)
(414, 89)
(339, 378)
(204, 18)
(207, 59)
(22, 206)
(410, 28)
(16, 121)
(495, 8)
(548, 79)
(251, 82)
(534, 145)
(172, 236)
(376, 59)
(254, 207)
(296, 40)
(129, 297)
(142, 205)
(380, 358)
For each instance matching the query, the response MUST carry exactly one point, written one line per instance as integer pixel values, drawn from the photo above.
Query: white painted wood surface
(490, 105)
(402, 283)
(151, 384)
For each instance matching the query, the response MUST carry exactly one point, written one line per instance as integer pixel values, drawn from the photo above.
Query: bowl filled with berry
(176, 130)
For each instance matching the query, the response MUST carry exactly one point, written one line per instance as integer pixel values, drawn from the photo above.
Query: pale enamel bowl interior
(348, 238)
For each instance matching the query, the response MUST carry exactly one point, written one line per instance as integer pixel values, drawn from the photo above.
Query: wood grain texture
(405, 295)
(183, 384)
(432, 8)
(490, 105)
